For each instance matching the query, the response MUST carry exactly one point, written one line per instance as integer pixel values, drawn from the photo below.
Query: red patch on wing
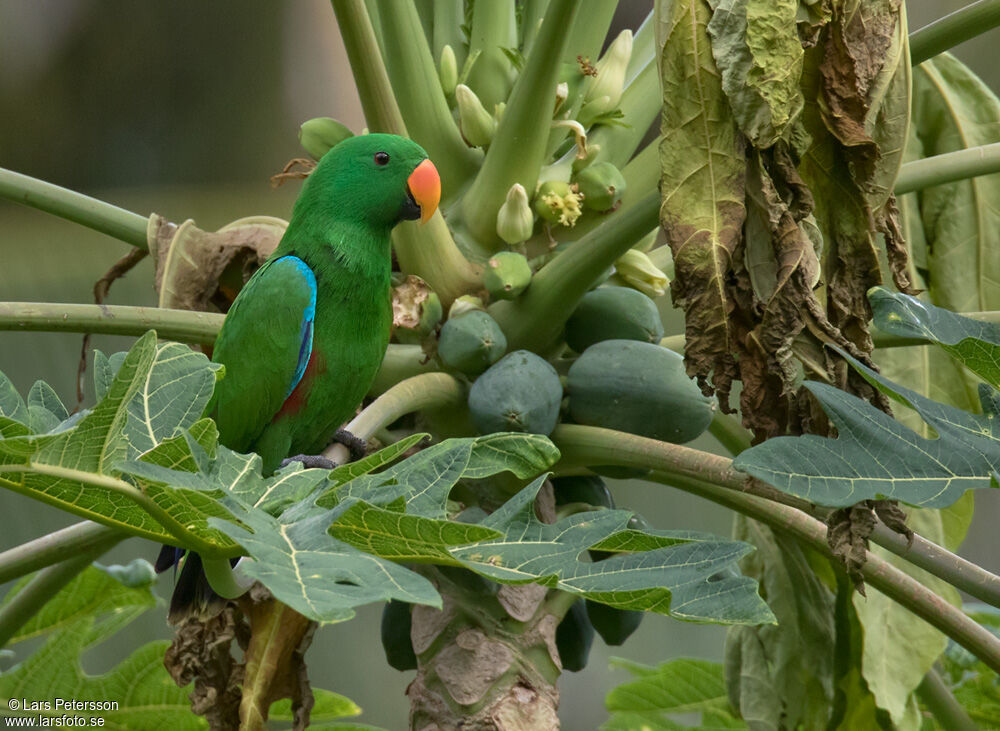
(297, 398)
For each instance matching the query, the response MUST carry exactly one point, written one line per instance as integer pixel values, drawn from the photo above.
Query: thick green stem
(952, 29)
(643, 48)
(401, 362)
(55, 547)
(730, 433)
(448, 18)
(370, 77)
(225, 579)
(494, 27)
(943, 704)
(43, 587)
(714, 478)
(77, 207)
(518, 149)
(949, 167)
(534, 321)
(418, 91)
(182, 325)
(587, 34)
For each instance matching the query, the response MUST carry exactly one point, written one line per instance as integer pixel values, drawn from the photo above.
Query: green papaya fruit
(396, 622)
(520, 392)
(602, 186)
(506, 275)
(614, 625)
(471, 342)
(640, 388)
(589, 489)
(574, 637)
(613, 313)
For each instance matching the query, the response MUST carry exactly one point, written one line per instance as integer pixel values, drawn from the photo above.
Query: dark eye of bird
(381, 158)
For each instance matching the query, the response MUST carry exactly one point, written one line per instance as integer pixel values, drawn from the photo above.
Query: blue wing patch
(306, 330)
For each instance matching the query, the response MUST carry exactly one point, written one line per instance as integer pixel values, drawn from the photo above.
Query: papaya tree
(816, 188)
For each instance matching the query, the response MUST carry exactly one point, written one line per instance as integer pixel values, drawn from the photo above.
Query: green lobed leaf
(45, 409)
(875, 456)
(375, 460)
(11, 404)
(680, 686)
(974, 343)
(95, 592)
(327, 706)
(690, 580)
(757, 49)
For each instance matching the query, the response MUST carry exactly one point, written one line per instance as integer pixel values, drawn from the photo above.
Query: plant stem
(77, 207)
(534, 321)
(947, 168)
(225, 579)
(714, 478)
(182, 325)
(586, 35)
(43, 587)
(448, 18)
(55, 547)
(942, 703)
(730, 433)
(518, 149)
(401, 362)
(377, 100)
(952, 29)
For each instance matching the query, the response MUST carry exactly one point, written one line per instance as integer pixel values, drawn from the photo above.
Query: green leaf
(11, 404)
(757, 49)
(375, 460)
(45, 410)
(702, 166)
(146, 695)
(328, 706)
(875, 456)
(95, 592)
(675, 687)
(974, 343)
(692, 579)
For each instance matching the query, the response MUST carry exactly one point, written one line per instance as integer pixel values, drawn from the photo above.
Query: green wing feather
(264, 344)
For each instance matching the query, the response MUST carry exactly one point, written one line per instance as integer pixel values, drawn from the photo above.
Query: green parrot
(305, 337)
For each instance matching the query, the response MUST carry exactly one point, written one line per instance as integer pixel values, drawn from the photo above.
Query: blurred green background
(186, 108)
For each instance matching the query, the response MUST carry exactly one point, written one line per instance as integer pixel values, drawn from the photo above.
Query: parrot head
(375, 180)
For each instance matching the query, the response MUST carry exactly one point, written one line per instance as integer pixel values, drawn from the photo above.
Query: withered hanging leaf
(204, 271)
(757, 49)
(702, 164)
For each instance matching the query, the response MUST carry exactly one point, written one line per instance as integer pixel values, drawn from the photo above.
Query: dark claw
(310, 461)
(357, 446)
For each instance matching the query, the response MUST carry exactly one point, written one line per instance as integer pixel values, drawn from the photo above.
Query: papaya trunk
(487, 661)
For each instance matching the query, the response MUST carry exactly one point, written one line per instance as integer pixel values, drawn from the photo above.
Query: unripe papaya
(471, 342)
(602, 186)
(574, 637)
(506, 275)
(521, 392)
(614, 625)
(640, 388)
(589, 489)
(613, 313)
(396, 623)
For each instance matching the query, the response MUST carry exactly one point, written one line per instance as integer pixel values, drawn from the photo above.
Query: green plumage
(340, 229)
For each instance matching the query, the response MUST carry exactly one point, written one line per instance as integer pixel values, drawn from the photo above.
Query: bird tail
(193, 596)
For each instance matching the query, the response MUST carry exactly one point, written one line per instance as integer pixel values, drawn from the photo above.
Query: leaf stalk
(954, 28)
(55, 547)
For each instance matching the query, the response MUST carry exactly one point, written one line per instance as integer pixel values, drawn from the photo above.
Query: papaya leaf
(45, 410)
(328, 706)
(757, 49)
(691, 579)
(974, 343)
(681, 686)
(370, 463)
(876, 457)
(702, 167)
(96, 592)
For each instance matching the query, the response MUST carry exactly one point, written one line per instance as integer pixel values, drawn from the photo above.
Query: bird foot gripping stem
(357, 446)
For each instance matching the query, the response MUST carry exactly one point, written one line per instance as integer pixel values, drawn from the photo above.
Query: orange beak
(425, 187)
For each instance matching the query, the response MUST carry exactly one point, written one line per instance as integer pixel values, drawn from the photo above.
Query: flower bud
(638, 271)
(448, 70)
(515, 219)
(602, 185)
(581, 162)
(478, 126)
(463, 304)
(507, 274)
(318, 135)
(610, 79)
(557, 202)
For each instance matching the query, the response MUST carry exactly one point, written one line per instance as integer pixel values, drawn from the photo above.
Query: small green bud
(602, 185)
(478, 126)
(638, 271)
(498, 110)
(581, 162)
(562, 94)
(515, 219)
(416, 309)
(610, 79)
(507, 274)
(557, 202)
(448, 70)
(318, 135)
(463, 304)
